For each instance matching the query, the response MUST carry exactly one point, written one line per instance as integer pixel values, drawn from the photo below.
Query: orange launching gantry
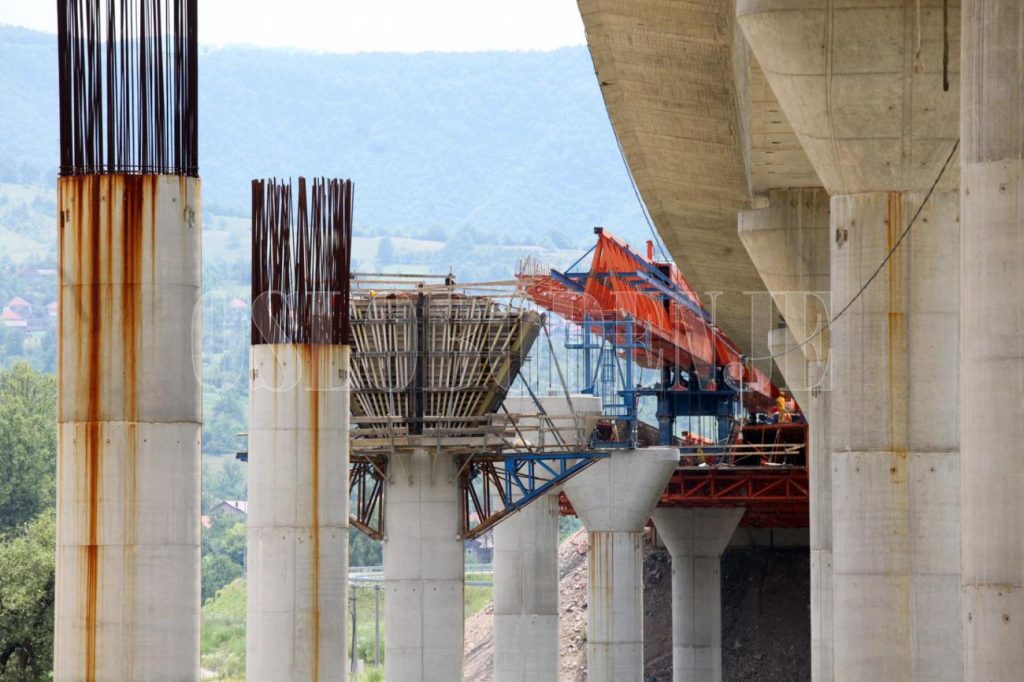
(630, 309)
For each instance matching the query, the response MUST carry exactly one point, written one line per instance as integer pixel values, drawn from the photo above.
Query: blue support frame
(521, 473)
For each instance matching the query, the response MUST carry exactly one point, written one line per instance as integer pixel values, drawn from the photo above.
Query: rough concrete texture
(819, 472)
(895, 478)
(526, 553)
(128, 462)
(788, 242)
(297, 528)
(526, 593)
(423, 569)
(695, 539)
(614, 498)
(992, 360)
(862, 86)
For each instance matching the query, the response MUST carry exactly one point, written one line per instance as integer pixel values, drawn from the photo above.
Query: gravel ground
(765, 617)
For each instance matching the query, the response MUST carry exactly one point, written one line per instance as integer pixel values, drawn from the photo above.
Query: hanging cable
(831, 323)
(629, 173)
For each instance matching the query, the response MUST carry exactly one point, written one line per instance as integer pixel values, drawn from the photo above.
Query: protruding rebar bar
(128, 87)
(301, 255)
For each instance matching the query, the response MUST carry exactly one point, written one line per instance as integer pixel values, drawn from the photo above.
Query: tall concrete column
(873, 101)
(129, 410)
(424, 569)
(819, 472)
(696, 538)
(895, 477)
(614, 498)
(992, 360)
(526, 550)
(788, 242)
(526, 593)
(297, 529)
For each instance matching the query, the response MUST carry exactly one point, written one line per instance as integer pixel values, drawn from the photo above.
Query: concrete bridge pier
(424, 569)
(526, 594)
(788, 242)
(128, 421)
(297, 529)
(874, 103)
(614, 498)
(695, 539)
(992, 361)
(526, 550)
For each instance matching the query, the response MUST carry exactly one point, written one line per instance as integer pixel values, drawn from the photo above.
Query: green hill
(484, 146)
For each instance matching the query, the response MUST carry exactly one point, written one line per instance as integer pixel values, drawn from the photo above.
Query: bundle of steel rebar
(128, 87)
(301, 255)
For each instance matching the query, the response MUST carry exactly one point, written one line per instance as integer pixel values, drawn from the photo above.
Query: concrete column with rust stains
(895, 460)
(614, 498)
(992, 360)
(696, 539)
(424, 569)
(526, 550)
(297, 526)
(129, 410)
(871, 91)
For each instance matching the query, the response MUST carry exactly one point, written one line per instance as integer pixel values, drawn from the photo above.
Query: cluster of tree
(223, 552)
(28, 456)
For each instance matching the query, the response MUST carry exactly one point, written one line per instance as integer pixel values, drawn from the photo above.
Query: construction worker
(781, 409)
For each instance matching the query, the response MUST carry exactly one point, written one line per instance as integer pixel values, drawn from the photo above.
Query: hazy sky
(365, 25)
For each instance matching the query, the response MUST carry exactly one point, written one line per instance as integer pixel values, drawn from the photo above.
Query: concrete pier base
(297, 529)
(129, 410)
(424, 569)
(526, 594)
(614, 498)
(695, 539)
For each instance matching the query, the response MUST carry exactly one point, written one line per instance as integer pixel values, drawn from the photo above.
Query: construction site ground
(766, 628)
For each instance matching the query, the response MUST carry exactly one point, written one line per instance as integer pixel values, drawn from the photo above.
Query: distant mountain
(494, 147)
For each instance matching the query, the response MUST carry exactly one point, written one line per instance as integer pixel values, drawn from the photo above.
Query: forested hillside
(494, 145)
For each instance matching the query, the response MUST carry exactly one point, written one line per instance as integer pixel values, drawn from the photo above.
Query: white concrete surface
(819, 473)
(695, 539)
(129, 412)
(423, 569)
(788, 243)
(862, 86)
(894, 445)
(526, 593)
(614, 499)
(992, 325)
(526, 553)
(297, 527)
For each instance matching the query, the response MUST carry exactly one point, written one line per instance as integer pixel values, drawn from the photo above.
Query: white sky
(364, 25)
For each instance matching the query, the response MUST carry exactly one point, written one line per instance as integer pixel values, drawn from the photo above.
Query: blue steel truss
(525, 473)
(494, 488)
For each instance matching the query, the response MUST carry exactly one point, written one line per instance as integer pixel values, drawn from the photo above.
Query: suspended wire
(835, 318)
(629, 172)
